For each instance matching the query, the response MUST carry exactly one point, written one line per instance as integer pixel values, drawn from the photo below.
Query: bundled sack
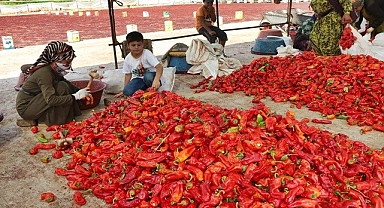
(378, 46)
(351, 42)
(115, 81)
(379, 40)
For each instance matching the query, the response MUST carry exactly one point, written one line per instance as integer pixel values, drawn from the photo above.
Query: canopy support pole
(289, 13)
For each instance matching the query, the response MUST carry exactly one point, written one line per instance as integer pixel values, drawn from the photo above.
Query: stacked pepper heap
(163, 150)
(348, 87)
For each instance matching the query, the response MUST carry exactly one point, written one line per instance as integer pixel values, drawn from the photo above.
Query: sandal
(26, 123)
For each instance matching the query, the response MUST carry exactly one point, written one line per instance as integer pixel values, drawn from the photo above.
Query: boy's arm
(127, 78)
(156, 80)
(213, 15)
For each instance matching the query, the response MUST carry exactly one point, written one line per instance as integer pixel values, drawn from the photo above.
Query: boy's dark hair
(134, 36)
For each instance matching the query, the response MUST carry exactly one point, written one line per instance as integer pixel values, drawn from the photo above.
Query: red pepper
(177, 191)
(155, 201)
(132, 174)
(34, 129)
(304, 203)
(52, 128)
(64, 172)
(124, 203)
(252, 157)
(47, 196)
(378, 127)
(184, 154)
(357, 195)
(350, 203)
(79, 198)
(377, 201)
(147, 164)
(57, 154)
(177, 175)
(40, 146)
(318, 121)
(148, 156)
(213, 201)
(196, 171)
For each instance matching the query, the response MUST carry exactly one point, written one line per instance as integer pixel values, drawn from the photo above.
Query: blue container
(267, 46)
(180, 63)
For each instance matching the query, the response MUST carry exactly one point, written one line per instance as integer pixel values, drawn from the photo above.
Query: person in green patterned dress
(328, 26)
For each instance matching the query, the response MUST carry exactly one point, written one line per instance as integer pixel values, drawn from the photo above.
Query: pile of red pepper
(347, 38)
(162, 150)
(348, 86)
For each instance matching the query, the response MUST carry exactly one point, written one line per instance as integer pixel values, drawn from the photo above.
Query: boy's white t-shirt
(148, 61)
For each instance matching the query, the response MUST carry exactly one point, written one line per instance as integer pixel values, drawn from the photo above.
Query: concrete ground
(24, 177)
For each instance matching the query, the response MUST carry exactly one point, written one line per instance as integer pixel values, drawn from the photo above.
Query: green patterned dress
(327, 30)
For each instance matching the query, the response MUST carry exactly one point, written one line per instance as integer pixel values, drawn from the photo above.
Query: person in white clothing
(141, 68)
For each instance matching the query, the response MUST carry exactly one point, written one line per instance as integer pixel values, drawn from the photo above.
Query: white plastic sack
(168, 79)
(361, 45)
(115, 80)
(379, 40)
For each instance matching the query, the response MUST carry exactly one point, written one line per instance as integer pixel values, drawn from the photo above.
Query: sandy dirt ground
(24, 177)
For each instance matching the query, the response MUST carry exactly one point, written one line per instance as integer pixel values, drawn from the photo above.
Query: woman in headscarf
(329, 25)
(46, 96)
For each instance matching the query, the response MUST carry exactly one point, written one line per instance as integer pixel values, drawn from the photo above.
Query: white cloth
(287, 50)
(132, 65)
(208, 60)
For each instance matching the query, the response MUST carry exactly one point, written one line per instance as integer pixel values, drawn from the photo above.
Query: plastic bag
(360, 46)
(379, 40)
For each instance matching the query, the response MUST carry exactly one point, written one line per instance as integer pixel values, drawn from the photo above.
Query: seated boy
(205, 16)
(141, 68)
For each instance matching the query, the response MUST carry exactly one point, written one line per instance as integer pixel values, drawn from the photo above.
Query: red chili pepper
(177, 191)
(318, 121)
(177, 175)
(148, 156)
(57, 154)
(304, 203)
(196, 171)
(132, 174)
(41, 146)
(357, 195)
(52, 128)
(125, 203)
(79, 198)
(47, 196)
(184, 154)
(377, 201)
(378, 127)
(252, 157)
(34, 129)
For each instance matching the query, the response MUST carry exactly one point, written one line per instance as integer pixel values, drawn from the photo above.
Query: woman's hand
(346, 19)
(156, 84)
(120, 94)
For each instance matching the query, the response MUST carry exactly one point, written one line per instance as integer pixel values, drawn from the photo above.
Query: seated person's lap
(212, 38)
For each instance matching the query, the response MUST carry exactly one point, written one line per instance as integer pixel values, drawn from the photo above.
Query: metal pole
(217, 13)
(289, 12)
(113, 32)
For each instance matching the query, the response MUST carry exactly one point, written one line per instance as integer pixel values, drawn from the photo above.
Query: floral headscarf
(54, 51)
